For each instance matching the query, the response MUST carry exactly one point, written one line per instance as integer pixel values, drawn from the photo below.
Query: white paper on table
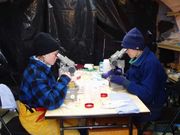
(122, 103)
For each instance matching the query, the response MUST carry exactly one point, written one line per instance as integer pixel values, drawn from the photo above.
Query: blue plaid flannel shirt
(39, 88)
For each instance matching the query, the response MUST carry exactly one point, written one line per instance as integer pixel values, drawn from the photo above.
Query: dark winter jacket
(147, 80)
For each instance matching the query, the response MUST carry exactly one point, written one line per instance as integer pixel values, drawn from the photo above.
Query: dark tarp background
(11, 45)
(88, 30)
(76, 25)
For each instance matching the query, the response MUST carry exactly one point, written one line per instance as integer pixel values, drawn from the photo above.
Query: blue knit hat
(133, 40)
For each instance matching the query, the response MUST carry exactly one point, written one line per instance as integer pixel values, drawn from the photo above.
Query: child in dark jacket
(145, 78)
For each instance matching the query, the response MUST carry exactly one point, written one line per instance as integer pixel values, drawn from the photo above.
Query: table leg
(62, 126)
(130, 125)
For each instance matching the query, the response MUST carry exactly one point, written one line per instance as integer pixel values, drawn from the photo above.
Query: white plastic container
(106, 65)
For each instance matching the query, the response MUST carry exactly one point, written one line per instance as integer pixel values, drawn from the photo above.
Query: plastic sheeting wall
(76, 25)
(89, 30)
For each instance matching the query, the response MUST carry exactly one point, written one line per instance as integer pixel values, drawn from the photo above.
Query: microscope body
(66, 65)
(115, 60)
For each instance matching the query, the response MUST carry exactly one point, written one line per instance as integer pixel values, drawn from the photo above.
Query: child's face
(132, 53)
(51, 58)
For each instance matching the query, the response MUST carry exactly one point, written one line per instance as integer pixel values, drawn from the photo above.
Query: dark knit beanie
(44, 43)
(133, 40)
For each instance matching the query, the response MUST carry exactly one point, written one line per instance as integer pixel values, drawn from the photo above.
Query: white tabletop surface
(91, 86)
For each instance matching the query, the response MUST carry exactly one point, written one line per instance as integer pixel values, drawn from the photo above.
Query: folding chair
(176, 117)
(170, 113)
(172, 122)
(8, 104)
(6, 73)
